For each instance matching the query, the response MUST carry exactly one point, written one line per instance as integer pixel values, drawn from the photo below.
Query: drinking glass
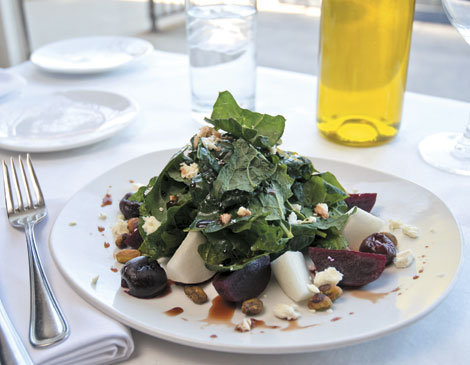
(221, 38)
(451, 151)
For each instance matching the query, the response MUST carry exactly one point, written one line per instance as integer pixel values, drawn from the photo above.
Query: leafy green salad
(248, 197)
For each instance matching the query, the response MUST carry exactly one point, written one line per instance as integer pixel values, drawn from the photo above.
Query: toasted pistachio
(319, 302)
(127, 254)
(195, 293)
(331, 290)
(252, 306)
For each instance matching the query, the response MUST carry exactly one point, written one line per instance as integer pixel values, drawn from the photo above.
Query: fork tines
(10, 204)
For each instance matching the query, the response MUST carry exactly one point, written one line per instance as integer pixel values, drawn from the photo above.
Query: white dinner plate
(397, 299)
(89, 55)
(10, 83)
(63, 120)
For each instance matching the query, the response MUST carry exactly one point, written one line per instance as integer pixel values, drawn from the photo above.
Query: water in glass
(222, 54)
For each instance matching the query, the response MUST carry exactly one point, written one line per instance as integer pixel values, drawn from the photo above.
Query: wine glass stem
(462, 147)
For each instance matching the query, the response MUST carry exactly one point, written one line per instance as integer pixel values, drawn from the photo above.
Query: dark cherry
(381, 244)
(144, 278)
(129, 208)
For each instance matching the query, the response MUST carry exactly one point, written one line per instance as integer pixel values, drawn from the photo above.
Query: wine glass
(451, 151)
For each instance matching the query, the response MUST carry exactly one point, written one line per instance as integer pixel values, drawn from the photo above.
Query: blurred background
(287, 35)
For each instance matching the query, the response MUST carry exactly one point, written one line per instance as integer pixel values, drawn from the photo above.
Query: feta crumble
(243, 212)
(210, 142)
(244, 325)
(285, 311)
(403, 259)
(119, 227)
(102, 216)
(292, 219)
(322, 210)
(395, 223)
(150, 225)
(313, 288)
(296, 207)
(410, 231)
(189, 171)
(136, 186)
(328, 276)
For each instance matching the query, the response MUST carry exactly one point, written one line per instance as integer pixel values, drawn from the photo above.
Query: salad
(233, 206)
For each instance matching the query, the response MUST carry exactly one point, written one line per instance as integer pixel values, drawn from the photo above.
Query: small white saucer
(88, 55)
(63, 120)
(10, 83)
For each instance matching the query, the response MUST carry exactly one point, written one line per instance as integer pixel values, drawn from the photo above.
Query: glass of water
(221, 38)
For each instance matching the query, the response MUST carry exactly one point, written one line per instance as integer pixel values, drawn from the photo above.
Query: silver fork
(47, 324)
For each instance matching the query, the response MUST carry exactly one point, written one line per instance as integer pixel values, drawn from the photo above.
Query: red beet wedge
(364, 201)
(358, 268)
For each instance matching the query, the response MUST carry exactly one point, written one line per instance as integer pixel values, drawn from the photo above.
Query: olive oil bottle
(363, 62)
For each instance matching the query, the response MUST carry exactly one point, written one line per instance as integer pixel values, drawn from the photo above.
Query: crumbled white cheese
(189, 171)
(244, 325)
(120, 227)
(161, 209)
(403, 259)
(328, 276)
(410, 231)
(243, 212)
(312, 310)
(71, 224)
(102, 216)
(148, 190)
(395, 223)
(313, 288)
(296, 207)
(285, 311)
(136, 186)
(329, 310)
(94, 280)
(150, 224)
(292, 219)
(210, 142)
(322, 210)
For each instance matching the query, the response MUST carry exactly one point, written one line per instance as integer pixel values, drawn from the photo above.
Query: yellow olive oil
(363, 54)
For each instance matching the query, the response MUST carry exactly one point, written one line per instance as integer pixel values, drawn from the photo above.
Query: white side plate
(80, 255)
(10, 83)
(90, 54)
(63, 120)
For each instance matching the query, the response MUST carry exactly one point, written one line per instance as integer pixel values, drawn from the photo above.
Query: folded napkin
(94, 337)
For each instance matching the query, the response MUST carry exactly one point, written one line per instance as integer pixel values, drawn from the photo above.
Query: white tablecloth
(160, 85)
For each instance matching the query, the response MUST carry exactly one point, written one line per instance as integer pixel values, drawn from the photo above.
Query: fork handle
(12, 350)
(47, 324)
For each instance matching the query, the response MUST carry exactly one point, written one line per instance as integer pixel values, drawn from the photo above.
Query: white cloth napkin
(94, 337)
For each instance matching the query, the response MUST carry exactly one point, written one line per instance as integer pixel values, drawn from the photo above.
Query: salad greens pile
(244, 167)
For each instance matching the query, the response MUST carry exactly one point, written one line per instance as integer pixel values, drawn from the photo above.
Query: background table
(160, 85)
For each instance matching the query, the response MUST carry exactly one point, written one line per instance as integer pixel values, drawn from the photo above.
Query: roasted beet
(364, 201)
(129, 208)
(144, 278)
(133, 240)
(381, 244)
(358, 268)
(246, 283)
